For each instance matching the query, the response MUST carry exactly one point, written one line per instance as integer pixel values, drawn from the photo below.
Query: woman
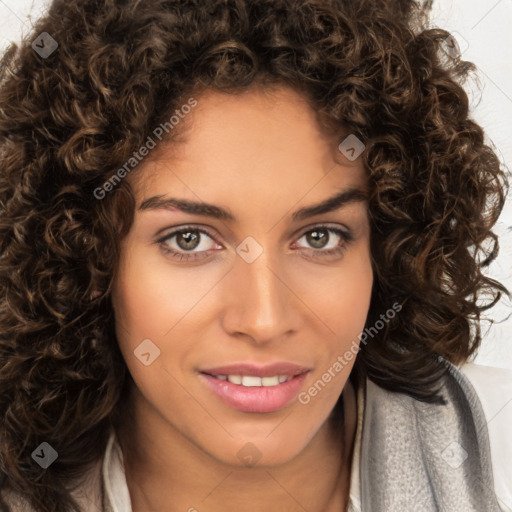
(242, 246)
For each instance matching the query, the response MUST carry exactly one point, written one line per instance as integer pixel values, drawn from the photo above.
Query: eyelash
(194, 256)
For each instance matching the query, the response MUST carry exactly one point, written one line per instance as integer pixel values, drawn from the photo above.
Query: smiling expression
(250, 247)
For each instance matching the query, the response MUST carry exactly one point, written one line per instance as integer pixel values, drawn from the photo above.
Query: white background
(483, 29)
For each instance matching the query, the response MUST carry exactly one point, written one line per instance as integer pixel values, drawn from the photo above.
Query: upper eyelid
(326, 225)
(177, 231)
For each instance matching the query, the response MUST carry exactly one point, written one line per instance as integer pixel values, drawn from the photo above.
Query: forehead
(262, 143)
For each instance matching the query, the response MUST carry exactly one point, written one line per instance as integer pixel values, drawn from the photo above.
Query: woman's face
(259, 278)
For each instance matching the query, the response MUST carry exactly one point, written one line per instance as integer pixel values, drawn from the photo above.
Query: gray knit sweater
(423, 457)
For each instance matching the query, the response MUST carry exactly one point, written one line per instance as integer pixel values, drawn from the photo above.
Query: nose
(261, 305)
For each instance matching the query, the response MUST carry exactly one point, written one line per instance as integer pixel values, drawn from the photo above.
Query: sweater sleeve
(494, 388)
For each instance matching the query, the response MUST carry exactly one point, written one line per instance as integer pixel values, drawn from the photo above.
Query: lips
(255, 388)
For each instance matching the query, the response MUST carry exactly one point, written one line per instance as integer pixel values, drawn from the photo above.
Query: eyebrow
(330, 204)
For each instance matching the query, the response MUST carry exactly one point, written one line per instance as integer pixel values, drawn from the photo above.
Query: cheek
(154, 300)
(343, 300)
(140, 309)
(150, 298)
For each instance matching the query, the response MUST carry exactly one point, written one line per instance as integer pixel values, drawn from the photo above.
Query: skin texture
(261, 154)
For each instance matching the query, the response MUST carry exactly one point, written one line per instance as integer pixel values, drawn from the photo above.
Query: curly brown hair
(69, 120)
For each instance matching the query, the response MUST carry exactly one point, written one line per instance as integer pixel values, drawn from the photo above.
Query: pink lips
(257, 398)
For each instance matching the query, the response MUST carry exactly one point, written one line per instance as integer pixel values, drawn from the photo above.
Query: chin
(258, 451)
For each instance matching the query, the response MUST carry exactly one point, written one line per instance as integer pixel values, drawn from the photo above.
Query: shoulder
(494, 389)
(430, 453)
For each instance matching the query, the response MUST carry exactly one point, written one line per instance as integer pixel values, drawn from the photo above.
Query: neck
(165, 471)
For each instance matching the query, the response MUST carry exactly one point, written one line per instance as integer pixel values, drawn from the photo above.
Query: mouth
(250, 381)
(250, 388)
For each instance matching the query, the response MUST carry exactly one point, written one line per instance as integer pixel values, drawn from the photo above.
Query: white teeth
(250, 381)
(270, 381)
(253, 381)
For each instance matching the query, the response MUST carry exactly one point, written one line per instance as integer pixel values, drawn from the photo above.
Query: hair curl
(68, 121)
